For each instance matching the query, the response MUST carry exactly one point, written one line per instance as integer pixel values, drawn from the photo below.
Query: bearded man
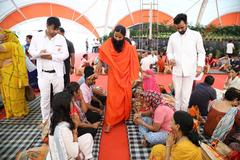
(186, 54)
(122, 60)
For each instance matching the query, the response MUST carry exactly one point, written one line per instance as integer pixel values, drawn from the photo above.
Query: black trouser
(82, 131)
(93, 117)
(66, 80)
(95, 104)
(33, 80)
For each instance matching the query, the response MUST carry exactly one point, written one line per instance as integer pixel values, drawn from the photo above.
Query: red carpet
(114, 145)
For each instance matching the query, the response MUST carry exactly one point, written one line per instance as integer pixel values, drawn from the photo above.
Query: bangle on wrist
(168, 146)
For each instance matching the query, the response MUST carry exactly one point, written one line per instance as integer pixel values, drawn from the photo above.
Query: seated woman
(84, 62)
(209, 62)
(13, 75)
(64, 142)
(224, 63)
(161, 62)
(149, 80)
(220, 108)
(182, 143)
(79, 107)
(154, 130)
(233, 80)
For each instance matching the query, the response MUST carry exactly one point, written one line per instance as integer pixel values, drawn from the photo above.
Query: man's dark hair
(54, 21)
(209, 80)
(121, 29)
(180, 17)
(88, 71)
(61, 30)
(29, 36)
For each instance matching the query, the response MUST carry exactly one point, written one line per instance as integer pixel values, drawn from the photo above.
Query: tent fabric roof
(100, 16)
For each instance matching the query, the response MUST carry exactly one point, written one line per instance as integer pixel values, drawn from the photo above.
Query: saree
(149, 81)
(184, 150)
(13, 76)
(225, 125)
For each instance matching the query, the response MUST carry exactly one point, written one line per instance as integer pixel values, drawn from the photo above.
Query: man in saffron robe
(121, 58)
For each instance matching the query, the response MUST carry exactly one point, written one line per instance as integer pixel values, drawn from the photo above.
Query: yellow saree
(184, 150)
(13, 76)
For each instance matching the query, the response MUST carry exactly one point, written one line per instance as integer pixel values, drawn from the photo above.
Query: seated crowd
(77, 111)
(160, 63)
(170, 133)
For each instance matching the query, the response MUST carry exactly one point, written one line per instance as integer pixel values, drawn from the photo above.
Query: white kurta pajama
(57, 47)
(188, 52)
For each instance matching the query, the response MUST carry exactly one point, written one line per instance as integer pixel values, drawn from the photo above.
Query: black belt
(49, 71)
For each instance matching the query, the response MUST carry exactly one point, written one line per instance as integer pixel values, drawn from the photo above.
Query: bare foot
(144, 143)
(107, 129)
(42, 125)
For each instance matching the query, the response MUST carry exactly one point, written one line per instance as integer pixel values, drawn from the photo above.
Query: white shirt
(87, 93)
(97, 43)
(188, 52)
(61, 144)
(230, 47)
(30, 66)
(145, 63)
(56, 46)
(153, 58)
(234, 83)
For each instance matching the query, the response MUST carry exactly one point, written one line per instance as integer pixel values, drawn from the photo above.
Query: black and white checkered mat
(33, 118)
(137, 151)
(96, 144)
(20, 134)
(203, 138)
(14, 138)
(216, 71)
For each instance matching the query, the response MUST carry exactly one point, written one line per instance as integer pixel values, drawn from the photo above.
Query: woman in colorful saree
(182, 143)
(13, 75)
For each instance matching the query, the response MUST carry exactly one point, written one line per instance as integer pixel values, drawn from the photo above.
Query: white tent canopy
(105, 14)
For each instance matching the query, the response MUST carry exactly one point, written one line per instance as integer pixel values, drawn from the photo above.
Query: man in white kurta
(186, 53)
(50, 50)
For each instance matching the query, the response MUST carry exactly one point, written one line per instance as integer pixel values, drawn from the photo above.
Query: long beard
(118, 45)
(182, 32)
